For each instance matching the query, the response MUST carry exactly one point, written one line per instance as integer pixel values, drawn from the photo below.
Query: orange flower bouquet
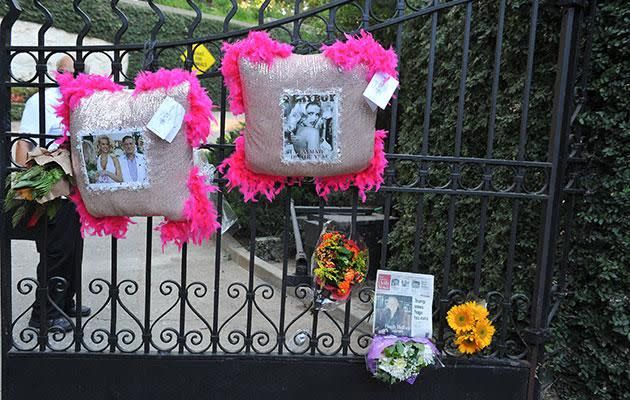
(339, 263)
(473, 329)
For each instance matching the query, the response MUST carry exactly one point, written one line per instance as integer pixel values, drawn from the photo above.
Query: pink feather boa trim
(73, 90)
(201, 216)
(199, 113)
(252, 184)
(258, 47)
(367, 179)
(90, 225)
(362, 50)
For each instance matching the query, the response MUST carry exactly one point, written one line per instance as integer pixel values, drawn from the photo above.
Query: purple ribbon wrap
(380, 343)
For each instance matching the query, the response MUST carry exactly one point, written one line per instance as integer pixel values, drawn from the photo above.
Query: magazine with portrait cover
(310, 123)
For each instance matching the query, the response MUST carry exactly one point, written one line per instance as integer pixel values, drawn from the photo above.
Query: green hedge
(589, 354)
(443, 121)
(591, 347)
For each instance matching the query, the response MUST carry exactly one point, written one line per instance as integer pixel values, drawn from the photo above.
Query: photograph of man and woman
(114, 159)
(310, 125)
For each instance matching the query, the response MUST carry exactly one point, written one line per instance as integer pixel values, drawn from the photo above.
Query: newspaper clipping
(403, 304)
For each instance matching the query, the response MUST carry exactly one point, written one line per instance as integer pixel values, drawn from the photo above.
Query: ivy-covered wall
(589, 354)
(591, 347)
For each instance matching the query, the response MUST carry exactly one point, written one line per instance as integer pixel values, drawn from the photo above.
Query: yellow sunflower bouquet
(473, 329)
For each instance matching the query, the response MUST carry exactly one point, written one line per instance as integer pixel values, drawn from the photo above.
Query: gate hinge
(536, 336)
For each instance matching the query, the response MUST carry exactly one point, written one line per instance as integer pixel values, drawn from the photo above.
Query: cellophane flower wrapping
(339, 265)
(394, 359)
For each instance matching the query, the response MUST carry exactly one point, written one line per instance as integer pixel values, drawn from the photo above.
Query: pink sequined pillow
(305, 115)
(123, 168)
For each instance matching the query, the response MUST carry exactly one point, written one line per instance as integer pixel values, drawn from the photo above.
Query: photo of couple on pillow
(116, 164)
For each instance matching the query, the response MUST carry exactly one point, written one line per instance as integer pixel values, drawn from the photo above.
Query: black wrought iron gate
(244, 341)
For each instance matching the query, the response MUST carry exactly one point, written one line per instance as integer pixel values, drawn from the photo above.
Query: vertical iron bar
(578, 145)
(190, 49)
(79, 66)
(117, 63)
(365, 17)
(219, 205)
(41, 69)
(446, 268)
(423, 170)
(218, 235)
(261, 11)
(79, 63)
(516, 204)
(113, 295)
(6, 313)
(250, 281)
(320, 216)
(285, 268)
(147, 286)
(296, 25)
(455, 176)
(345, 338)
(313, 342)
(487, 172)
(183, 294)
(562, 106)
(217, 275)
(390, 171)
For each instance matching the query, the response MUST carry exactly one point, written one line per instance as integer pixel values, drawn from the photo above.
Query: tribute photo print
(310, 121)
(114, 159)
(393, 315)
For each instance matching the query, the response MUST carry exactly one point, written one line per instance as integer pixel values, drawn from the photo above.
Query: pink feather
(91, 225)
(364, 50)
(200, 106)
(201, 216)
(251, 184)
(367, 179)
(258, 47)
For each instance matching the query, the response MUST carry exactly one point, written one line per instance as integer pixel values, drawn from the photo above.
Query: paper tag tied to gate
(380, 90)
(167, 119)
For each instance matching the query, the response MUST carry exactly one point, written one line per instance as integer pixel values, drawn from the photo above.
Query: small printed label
(380, 90)
(167, 119)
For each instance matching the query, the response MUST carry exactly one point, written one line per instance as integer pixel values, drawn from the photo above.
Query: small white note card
(167, 119)
(380, 90)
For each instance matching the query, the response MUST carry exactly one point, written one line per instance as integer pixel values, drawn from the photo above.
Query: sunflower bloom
(483, 332)
(460, 318)
(466, 344)
(479, 312)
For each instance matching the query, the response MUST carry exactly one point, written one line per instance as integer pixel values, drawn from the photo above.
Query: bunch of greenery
(25, 187)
